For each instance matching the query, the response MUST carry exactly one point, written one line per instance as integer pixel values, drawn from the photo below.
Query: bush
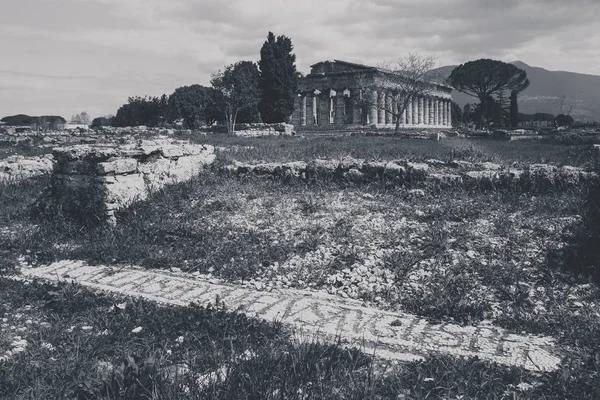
(584, 255)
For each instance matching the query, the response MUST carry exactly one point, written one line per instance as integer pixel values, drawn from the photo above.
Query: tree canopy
(197, 105)
(81, 118)
(485, 78)
(41, 122)
(149, 111)
(564, 120)
(278, 80)
(238, 84)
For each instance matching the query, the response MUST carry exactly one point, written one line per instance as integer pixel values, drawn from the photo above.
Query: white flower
(179, 339)
(524, 386)
(136, 330)
(86, 328)
(48, 346)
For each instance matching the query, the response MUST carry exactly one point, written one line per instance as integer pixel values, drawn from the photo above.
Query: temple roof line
(368, 68)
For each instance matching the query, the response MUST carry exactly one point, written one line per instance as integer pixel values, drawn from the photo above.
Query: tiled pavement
(392, 335)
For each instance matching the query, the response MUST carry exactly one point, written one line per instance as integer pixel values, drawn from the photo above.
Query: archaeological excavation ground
(190, 265)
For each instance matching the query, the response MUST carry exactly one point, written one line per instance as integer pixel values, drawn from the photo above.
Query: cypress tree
(514, 109)
(278, 80)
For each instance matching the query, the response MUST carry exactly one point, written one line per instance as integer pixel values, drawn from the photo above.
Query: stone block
(98, 180)
(118, 166)
(126, 189)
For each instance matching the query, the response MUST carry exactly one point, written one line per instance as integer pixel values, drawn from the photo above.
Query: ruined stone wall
(533, 177)
(15, 168)
(93, 181)
(255, 130)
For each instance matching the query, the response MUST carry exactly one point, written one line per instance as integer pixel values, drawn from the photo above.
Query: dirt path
(392, 335)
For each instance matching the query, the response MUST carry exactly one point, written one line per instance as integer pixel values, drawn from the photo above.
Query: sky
(61, 57)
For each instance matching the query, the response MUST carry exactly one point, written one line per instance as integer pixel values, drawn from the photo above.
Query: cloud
(118, 48)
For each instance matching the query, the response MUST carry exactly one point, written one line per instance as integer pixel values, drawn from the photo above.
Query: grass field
(273, 149)
(459, 255)
(66, 342)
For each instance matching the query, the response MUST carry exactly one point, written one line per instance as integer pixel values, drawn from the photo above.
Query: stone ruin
(406, 172)
(255, 130)
(94, 181)
(15, 168)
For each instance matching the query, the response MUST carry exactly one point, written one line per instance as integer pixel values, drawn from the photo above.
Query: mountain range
(552, 92)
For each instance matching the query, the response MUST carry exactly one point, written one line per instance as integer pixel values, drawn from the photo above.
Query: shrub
(584, 255)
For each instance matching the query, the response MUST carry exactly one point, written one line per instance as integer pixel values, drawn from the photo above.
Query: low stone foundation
(534, 177)
(93, 181)
(254, 130)
(15, 168)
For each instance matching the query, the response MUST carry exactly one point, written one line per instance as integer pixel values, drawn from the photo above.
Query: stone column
(430, 116)
(373, 110)
(314, 110)
(449, 119)
(388, 108)
(435, 111)
(409, 112)
(421, 110)
(415, 117)
(395, 108)
(381, 108)
(441, 113)
(341, 113)
(426, 111)
(303, 110)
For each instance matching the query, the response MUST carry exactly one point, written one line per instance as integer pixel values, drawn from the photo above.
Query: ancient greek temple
(332, 96)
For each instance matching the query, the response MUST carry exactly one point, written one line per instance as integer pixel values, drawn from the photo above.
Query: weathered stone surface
(445, 178)
(100, 179)
(256, 130)
(15, 168)
(465, 165)
(118, 166)
(391, 335)
(535, 177)
(489, 166)
(482, 176)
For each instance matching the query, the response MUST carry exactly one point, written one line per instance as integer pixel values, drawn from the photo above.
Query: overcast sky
(66, 56)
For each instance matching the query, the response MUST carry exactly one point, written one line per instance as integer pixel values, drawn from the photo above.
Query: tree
(565, 104)
(485, 78)
(239, 85)
(412, 76)
(102, 121)
(514, 105)
(456, 113)
(81, 118)
(149, 111)
(278, 80)
(196, 105)
(514, 109)
(467, 113)
(564, 120)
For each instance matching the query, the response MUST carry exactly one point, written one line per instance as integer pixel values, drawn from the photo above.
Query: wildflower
(86, 328)
(179, 339)
(48, 346)
(136, 330)
(524, 386)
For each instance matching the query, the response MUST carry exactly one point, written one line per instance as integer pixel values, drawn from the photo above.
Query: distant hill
(546, 90)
